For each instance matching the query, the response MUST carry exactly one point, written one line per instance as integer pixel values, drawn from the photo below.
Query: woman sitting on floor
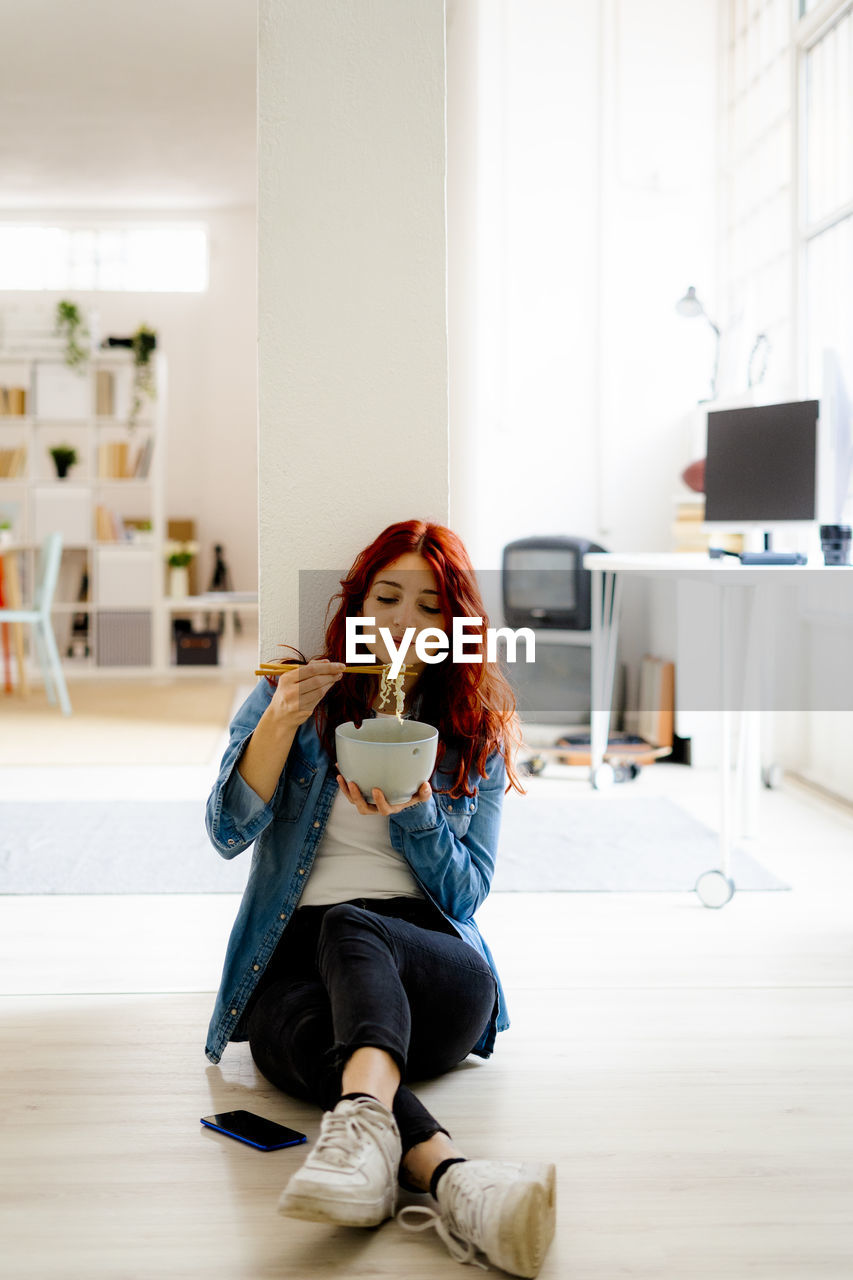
(355, 965)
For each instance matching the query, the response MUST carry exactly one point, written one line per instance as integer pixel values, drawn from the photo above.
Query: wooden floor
(689, 1071)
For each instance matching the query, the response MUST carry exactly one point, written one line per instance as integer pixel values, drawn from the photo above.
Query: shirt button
(302, 871)
(316, 824)
(234, 1012)
(281, 917)
(256, 967)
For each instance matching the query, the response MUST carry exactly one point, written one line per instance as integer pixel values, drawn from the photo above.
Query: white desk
(730, 578)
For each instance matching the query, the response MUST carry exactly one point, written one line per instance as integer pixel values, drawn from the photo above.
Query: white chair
(39, 616)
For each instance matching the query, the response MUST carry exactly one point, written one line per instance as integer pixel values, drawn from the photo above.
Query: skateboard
(625, 755)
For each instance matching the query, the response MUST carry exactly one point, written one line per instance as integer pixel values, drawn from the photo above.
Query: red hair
(471, 704)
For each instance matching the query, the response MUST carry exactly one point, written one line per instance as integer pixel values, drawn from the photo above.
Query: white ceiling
(127, 104)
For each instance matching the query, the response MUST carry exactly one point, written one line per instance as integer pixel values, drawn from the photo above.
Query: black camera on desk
(194, 648)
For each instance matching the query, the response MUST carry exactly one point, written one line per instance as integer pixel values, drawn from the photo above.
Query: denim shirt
(450, 844)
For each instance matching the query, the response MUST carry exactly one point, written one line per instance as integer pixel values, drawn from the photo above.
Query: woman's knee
(345, 923)
(445, 1032)
(341, 917)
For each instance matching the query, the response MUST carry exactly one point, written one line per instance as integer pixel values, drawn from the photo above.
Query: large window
(164, 258)
(757, 182)
(826, 222)
(786, 182)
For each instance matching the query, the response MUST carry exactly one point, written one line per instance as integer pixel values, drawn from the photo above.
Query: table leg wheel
(714, 889)
(603, 777)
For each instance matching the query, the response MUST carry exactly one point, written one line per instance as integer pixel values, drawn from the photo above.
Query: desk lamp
(689, 306)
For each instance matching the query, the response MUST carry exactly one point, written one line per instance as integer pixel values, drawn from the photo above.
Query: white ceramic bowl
(396, 756)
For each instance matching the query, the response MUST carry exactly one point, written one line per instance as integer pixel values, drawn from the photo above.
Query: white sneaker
(350, 1177)
(506, 1210)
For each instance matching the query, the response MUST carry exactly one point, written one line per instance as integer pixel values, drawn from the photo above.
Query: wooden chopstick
(277, 668)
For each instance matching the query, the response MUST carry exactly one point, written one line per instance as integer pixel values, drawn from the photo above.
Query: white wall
(581, 204)
(352, 296)
(581, 145)
(213, 454)
(210, 341)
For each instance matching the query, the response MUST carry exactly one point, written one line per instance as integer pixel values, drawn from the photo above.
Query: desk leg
(726, 796)
(606, 601)
(727, 787)
(769, 772)
(749, 765)
(749, 754)
(715, 888)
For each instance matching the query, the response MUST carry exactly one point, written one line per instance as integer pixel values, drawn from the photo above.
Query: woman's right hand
(298, 691)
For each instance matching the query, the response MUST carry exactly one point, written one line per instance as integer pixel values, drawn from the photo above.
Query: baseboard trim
(808, 784)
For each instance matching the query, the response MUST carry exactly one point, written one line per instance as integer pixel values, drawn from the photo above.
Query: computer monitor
(761, 468)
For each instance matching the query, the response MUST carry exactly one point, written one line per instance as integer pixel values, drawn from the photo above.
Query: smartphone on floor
(255, 1130)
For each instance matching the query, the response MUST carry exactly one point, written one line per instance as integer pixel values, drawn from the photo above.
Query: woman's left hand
(381, 805)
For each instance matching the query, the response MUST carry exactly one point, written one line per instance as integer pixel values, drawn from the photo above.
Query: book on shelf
(13, 402)
(109, 526)
(142, 461)
(13, 462)
(105, 393)
(657, 701)
(114, 460)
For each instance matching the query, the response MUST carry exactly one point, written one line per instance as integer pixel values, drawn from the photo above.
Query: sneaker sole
(528, 1219)
(343, 1213)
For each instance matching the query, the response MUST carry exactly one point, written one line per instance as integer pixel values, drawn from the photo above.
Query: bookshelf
(109, 507)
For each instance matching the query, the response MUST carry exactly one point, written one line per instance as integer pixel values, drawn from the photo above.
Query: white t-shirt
(355, 859)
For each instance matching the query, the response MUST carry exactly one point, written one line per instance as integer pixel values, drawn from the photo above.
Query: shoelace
(337, 1134)
(462, 1250)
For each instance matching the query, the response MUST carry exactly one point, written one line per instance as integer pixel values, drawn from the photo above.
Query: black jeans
(390, 974)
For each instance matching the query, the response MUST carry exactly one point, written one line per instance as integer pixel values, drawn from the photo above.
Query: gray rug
(137, 846)
(599, 843)
(574, 843)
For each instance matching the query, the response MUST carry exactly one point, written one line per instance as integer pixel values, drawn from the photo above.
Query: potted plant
(144, 343)
(70, 326)
(5, 534)
(64, 456)
(179, 556)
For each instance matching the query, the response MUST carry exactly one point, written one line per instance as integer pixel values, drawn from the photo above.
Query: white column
(353, 386)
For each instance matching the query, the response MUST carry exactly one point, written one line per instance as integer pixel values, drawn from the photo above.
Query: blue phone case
(295, 1141)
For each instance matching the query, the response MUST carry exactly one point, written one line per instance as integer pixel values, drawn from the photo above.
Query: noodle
(385, 687)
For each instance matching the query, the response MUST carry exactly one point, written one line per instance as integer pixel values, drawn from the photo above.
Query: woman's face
(403, 594)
